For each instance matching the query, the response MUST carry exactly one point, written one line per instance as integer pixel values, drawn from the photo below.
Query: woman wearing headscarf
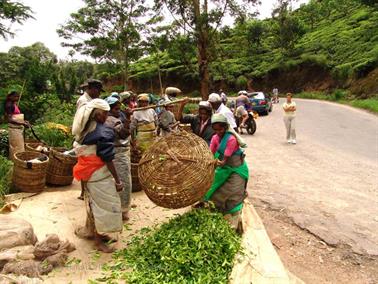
(201, 123)
(143, 124)
(95, 167)
(228, 190)
(122, 151)
(16, 124)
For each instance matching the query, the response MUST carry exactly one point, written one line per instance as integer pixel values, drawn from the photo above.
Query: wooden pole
(22, 90)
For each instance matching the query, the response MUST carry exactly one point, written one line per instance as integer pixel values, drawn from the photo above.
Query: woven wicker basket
(60, 167)
(29, 177)
(32, 147)
(177, 170)
(136, 186)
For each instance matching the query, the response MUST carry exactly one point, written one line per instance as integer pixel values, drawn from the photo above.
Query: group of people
(105, 131)
(103, 136)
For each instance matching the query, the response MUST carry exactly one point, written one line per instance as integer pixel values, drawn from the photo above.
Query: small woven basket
(32, 147)
(60, 167)
(177, 170)
(27, 176)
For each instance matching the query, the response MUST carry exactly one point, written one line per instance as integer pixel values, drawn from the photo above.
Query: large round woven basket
(27, 176)
(177, 170)
(60, 167)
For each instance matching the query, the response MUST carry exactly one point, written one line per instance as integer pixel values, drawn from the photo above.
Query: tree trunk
(203, 66)
(202, 30)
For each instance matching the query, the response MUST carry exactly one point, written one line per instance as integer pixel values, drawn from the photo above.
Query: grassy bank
(342, 97)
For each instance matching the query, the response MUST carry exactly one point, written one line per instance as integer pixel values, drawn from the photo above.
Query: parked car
(261, 103)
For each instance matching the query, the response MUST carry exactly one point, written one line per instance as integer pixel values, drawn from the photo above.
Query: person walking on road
(289, 118)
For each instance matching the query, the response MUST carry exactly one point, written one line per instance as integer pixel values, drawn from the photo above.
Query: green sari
(222, 174)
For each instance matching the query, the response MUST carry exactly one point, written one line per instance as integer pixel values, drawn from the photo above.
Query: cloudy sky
(49, 14)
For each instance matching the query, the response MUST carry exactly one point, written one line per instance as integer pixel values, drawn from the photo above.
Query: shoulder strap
(222, 146)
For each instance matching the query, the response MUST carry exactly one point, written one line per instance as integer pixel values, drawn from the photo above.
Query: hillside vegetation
(324, 48)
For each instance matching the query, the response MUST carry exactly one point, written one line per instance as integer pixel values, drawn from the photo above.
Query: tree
(202, 19)
(12, 12)
(311, 12)
(287, 28)
(107, 30)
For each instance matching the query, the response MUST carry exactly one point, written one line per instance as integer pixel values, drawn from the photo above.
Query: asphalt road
(328, 182)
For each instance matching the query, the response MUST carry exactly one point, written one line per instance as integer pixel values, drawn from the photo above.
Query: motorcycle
(250, 123)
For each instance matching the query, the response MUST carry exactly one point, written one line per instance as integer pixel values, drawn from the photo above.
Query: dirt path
(327, 184)
(59, 211)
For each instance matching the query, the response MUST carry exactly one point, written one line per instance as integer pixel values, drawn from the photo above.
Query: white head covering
(220, 118)
(214, 97)
(205, 104)
(83, 115)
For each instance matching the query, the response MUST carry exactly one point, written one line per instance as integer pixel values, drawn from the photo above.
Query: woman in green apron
(229, 188)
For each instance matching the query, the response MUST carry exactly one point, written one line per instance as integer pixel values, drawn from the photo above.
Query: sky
(49, 14)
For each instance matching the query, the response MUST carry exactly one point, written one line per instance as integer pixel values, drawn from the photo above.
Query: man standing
(275, 96)
(223, 97)
(218, 107)
(93, 89)
(289, 118)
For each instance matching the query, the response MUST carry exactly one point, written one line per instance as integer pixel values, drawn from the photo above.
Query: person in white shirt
(289, 118)
(275, 96)
(223, 97)
(216, 103)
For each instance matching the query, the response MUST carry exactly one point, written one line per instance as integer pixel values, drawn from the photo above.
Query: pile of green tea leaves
(196, 247)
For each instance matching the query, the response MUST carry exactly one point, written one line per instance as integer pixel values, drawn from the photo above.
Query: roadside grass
(342, 97)
(368, 104)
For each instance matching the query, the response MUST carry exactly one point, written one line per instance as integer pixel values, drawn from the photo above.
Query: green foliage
(5, 177)
(368, 104)
(111, 28)
(52, 136)
(241, 82)
(12, 12)
(4, 143)
(197, 247)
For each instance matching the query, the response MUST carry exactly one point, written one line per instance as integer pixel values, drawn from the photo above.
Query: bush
(4, 143)
(54, 135)
(5, 177)
(241, 82)
(339, 95)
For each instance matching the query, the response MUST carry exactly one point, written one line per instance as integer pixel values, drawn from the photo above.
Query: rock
(15, 232)
(29, 268)
(11, 279)
(50, 246)
(21, 252)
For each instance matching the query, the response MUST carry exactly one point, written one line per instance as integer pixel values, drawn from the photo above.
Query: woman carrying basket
(95, 151)
(201, 123)
(228, 190)
(16, 124)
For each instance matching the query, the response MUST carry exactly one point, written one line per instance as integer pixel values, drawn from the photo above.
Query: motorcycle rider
(241, 113)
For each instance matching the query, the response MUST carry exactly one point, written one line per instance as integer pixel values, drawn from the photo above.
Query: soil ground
(58, 211)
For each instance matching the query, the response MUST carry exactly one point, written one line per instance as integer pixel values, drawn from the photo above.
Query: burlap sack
(15, 232)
